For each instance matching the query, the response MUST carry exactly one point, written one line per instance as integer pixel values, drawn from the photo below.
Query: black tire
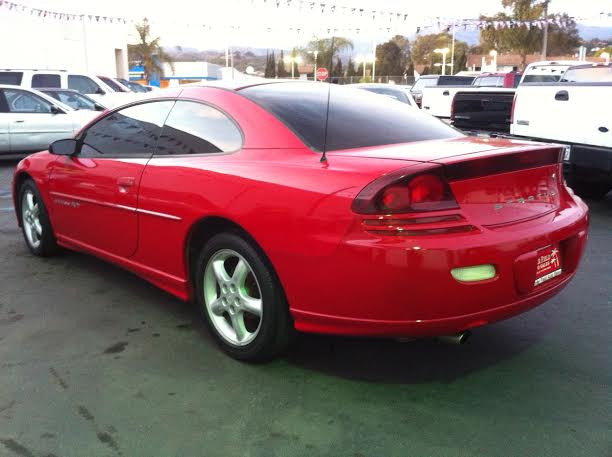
(275, 326)
(48, 245)
(594, 190)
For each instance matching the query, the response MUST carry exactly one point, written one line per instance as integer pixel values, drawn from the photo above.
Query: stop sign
(322, 74)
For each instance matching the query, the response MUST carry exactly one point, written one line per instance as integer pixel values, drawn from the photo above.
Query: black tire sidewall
(273, 333)
(48, 245)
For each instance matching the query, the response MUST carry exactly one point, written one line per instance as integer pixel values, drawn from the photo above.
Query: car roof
(55, 89)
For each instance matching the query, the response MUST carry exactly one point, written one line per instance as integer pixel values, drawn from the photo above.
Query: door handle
(562, 96)
(20, 121)
(446, 92)
(125, 183)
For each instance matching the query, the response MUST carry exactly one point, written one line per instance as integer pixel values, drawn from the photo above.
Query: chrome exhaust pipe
(456, 338)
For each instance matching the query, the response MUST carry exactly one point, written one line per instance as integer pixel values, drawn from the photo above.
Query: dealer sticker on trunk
(548, 265)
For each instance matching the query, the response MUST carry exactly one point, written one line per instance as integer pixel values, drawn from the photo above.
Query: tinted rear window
(46, 80)
(455, 80)
(11, 77)
(541, 78)
(357, 118)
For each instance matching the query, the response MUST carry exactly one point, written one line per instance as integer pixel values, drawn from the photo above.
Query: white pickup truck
(438, 101)
(577, 112)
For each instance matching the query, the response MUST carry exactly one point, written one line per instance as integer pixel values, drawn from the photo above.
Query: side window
(11, 77)
(46, 80)
(21, 101)
(130, 132)
(195, 128)
(83, 84)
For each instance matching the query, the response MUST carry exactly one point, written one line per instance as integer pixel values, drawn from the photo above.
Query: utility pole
(452, 72)
(545, 38)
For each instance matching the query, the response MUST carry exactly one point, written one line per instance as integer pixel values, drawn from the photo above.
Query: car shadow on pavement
(416, 361)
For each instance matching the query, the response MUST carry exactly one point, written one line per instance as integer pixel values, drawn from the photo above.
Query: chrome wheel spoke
(240, 273)
(217, 307)
(238, 326)
(220, 272)
(30, 201)
(251, 305)
(38, 227)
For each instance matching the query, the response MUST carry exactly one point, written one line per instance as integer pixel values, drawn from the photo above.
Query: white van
(87, 84)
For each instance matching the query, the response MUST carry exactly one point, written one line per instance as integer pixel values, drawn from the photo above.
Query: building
(38, 42)
(512, 62)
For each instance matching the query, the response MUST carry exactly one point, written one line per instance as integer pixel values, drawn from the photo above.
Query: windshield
(357, 118)
(424, 82)
(74, 100)
(541, 78)
(112, 84)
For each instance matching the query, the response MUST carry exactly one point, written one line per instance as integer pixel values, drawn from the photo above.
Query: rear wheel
(241, 299)
(35, 223)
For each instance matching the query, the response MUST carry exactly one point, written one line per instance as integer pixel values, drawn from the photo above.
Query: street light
(493, 53)
(293, 60)
(442, 51)
(316, 55)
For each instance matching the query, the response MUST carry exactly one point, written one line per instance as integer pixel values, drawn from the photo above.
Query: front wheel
(241, 299)
(35, 223)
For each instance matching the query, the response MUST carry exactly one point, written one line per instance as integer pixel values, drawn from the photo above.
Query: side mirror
(56, 110)
(99, 107)
(65, 147)
(100, 91)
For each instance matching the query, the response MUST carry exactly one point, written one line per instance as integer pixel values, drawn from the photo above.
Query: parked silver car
(31, 120)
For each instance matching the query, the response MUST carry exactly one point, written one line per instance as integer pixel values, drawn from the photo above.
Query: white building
(30, 41)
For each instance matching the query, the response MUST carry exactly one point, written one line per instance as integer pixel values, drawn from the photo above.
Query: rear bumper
(315, 323)
(589, 163)
(402, 286)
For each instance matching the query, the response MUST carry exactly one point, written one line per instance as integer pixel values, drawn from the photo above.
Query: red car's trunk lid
(494, 181)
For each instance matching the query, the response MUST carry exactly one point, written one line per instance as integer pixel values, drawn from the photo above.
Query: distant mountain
(256, 56)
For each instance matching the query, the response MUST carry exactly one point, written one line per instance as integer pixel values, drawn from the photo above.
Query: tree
(270, 70)
(423, 52)
(326, 53)
(389, 59)
(149, 52)
(281, 72)
(404, 45)
(338, 70)
(350, 68)
(563, 40)
(528, 40)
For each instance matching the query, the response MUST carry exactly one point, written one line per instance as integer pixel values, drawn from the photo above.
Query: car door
(33, 123)
(94, 193)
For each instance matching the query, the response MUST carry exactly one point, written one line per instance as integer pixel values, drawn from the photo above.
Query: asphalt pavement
(97, 362)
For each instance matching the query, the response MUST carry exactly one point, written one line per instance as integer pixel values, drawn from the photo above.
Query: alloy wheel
(232, 297)
(30, 218)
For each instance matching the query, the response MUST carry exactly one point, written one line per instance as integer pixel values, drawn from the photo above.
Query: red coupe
(289, 206)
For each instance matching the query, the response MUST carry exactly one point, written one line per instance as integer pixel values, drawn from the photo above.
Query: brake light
(417, 189)
(512, 109)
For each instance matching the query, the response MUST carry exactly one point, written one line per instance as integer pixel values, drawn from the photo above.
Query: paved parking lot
(96, 362)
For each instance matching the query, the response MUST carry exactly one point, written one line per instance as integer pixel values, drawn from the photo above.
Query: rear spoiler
(502, 163)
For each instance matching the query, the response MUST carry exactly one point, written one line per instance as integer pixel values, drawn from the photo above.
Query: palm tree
(149, 53)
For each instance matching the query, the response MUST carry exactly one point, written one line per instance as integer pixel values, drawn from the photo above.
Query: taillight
(415, 189)
(512, 109)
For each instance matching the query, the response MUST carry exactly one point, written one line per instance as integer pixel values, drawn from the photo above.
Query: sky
(259, 23)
